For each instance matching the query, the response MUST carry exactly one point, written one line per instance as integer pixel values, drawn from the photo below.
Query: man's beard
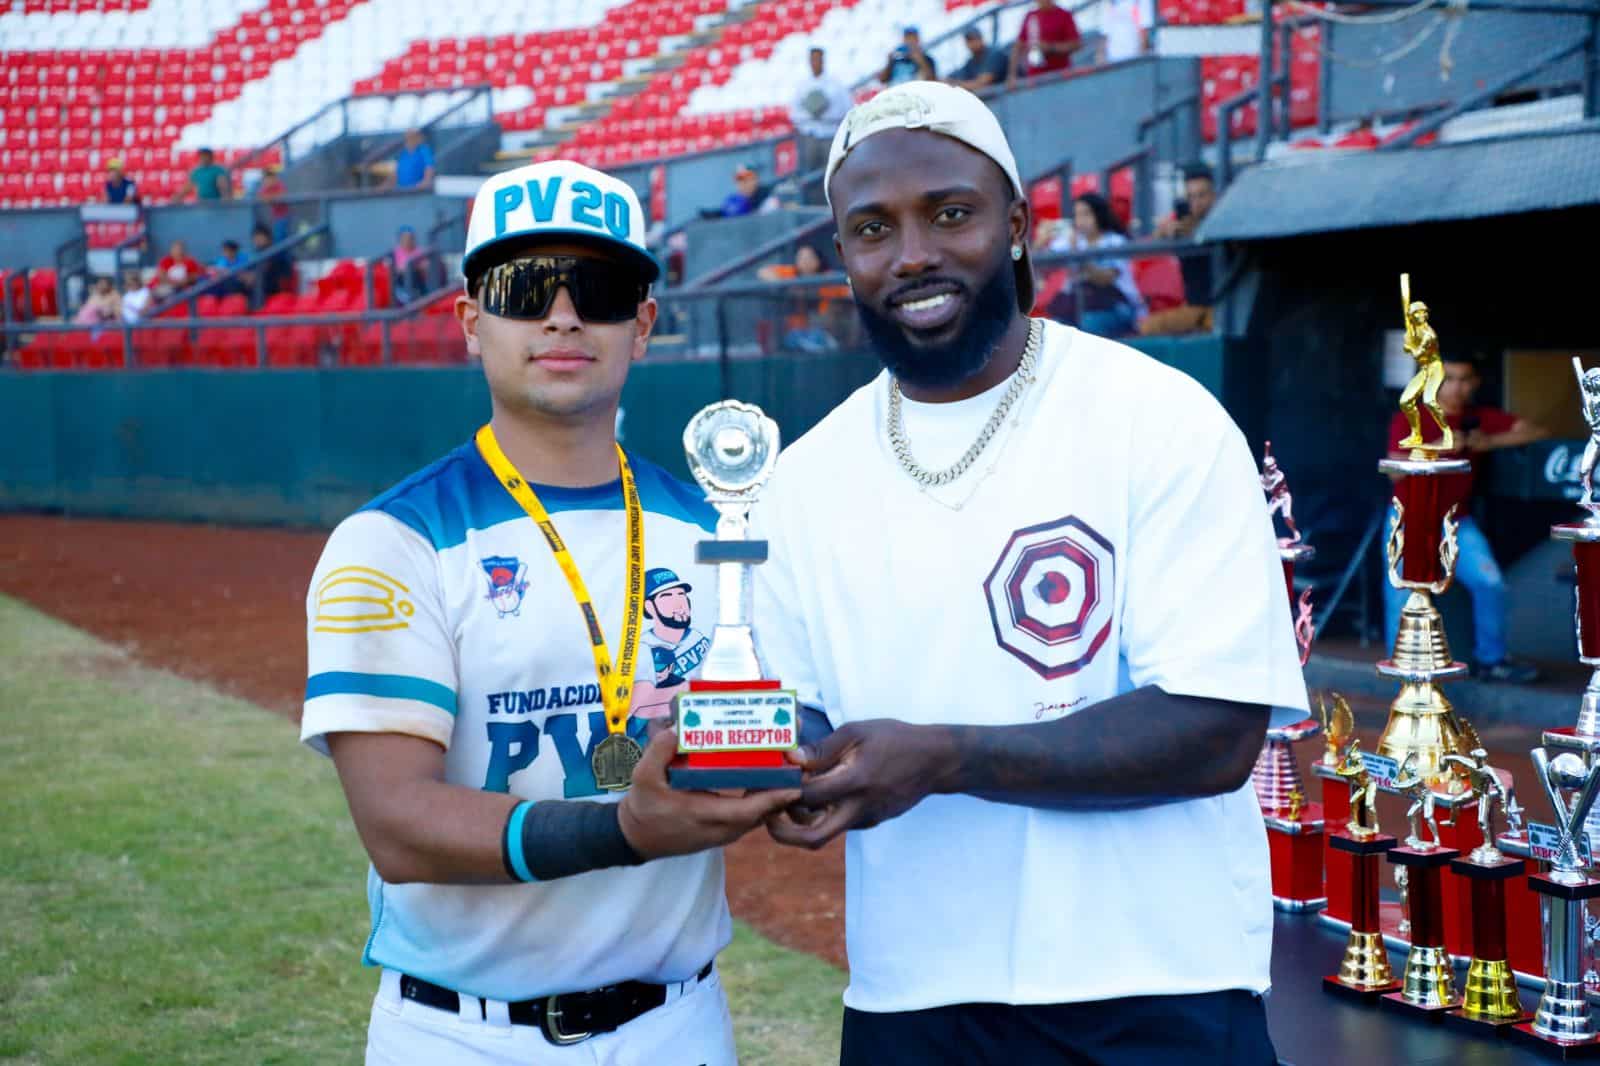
(668, 622)
(954, 361)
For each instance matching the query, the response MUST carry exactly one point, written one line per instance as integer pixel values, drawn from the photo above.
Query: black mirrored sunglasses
(525, 288)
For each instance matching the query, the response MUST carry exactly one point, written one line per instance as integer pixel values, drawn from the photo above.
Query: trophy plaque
(734, 723)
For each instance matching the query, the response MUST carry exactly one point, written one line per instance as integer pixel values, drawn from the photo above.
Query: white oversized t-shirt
(1118, 540)
(438, 611)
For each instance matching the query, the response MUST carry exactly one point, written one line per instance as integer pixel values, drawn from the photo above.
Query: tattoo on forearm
(1141, 748)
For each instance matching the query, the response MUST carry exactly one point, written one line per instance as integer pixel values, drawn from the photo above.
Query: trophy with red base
(1364, 973)
(734, 724)
(1428, 981)
(1490, 992)
(1294, 828)
(1562, 1022)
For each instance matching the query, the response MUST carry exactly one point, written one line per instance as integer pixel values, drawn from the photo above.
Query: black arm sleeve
(560, 838)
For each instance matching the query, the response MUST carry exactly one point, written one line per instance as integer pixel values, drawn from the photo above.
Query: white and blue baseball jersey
(438, 611)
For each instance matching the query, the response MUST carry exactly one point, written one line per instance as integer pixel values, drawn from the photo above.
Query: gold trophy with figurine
(1421, 551)
(1364, 973)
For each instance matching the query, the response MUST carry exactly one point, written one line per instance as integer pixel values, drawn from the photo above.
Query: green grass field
(180, 881)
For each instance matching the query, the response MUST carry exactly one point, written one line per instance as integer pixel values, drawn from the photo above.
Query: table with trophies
(1486, 901)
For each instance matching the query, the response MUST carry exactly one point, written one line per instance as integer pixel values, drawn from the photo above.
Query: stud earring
(1016, 251)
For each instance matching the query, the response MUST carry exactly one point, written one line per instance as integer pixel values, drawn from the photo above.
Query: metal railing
(1271, 93)
(342, 118)
(337, 338)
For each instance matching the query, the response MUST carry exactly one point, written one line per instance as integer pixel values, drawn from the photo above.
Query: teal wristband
(511, 844)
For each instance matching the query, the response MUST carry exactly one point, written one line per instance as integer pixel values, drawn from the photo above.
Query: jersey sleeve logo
(508, 581)
(359, 599)
(1050, 596)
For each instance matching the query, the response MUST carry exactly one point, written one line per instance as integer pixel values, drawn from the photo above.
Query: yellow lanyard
(616, 689)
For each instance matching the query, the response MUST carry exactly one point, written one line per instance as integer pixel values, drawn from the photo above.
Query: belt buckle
(552, 1025)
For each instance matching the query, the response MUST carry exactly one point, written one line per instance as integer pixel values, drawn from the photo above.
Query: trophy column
(1428, 982)
(1294, 827)
(1562, 1020)
(1364, 973)
(734, 724)
(1490, 993)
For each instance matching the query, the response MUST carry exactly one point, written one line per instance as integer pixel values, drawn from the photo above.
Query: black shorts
(1211, 1029)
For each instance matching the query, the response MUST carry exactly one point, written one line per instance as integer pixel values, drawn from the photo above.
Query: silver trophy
(735, 722)
(732, 448)
(1563, 1014)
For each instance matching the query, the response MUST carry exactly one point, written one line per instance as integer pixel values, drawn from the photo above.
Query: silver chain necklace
(1019, 383)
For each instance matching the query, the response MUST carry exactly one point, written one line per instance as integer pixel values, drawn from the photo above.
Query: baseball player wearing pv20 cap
(538, 893)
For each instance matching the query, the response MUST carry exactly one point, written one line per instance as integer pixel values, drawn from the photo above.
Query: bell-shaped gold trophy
(1422, 556)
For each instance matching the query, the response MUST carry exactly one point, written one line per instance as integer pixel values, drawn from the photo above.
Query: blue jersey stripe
(458, 493)
(387, 686)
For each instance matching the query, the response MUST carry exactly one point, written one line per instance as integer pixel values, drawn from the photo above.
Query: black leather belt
(564, 1019)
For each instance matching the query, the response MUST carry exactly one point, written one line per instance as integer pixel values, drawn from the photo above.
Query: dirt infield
(227, 606)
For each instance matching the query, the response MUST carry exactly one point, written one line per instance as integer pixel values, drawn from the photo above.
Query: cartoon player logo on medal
(676, 647)
(508, 580)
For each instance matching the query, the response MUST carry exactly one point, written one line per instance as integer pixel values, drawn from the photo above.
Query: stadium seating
(150, 81)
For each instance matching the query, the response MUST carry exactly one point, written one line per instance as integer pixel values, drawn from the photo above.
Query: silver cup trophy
(735, 723)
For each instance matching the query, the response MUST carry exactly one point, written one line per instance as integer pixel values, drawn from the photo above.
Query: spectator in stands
(745, 199)
(272, 190)
(103, 306)
(277, 270)
(227, 263)
(1045, 43)
(1478, 429)
(1194, 316)
(908, 62)
(819, 106)
(984, 67)
(1126, 27)
(812, 317)
(207, 180)
(413, 167)
(410, 266)
(1100, 295)
(178, 268)
(136, 296)
(120, 189)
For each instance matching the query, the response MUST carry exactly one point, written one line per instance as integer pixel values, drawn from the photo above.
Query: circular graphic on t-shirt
(1050, 595)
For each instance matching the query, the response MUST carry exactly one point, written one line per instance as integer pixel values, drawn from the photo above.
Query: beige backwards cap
(938, 108)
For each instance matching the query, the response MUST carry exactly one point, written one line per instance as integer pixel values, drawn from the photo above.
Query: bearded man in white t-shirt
(1026, 580)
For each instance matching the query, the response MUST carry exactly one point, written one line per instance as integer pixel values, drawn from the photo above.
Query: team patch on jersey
(1050, 596)
(359, 599)
(508, 581)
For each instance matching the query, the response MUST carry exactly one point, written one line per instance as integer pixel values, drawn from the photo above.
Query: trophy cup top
(1567, 772)
(731, 448)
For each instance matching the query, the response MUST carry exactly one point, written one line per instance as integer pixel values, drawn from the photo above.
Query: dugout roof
(1323, 191)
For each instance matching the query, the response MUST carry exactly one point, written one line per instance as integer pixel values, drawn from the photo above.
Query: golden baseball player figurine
(1363, 823)
(1422, 344)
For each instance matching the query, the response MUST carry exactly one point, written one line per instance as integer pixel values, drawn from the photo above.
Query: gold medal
(613, 761)
(614, 757)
